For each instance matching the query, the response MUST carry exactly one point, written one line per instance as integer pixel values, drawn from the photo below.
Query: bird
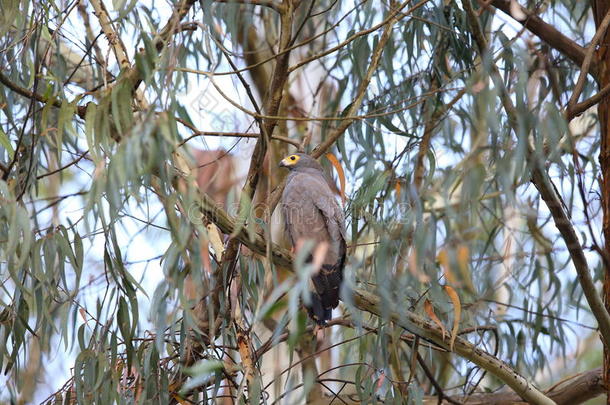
(311, 212)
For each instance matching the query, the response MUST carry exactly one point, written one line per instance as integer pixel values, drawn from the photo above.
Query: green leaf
(6, 144)
(200, 373)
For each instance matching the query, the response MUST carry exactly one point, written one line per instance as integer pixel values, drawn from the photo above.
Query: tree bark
(600, 9)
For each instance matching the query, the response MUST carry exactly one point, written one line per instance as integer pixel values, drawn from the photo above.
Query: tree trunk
(600, 9)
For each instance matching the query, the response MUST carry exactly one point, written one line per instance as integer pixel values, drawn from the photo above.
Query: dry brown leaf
(430, 311)
(443, 259)
(335, 162)
(204, 247)
(82, 313)
(457, 313)
(463, 261)
(414, 269)
(463, 257)
(180, 400)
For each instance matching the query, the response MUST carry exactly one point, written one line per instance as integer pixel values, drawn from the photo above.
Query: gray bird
(312, 213)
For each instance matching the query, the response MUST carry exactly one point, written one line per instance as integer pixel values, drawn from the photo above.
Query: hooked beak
(283, 163)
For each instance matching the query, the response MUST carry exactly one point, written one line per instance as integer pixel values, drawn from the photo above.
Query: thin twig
(264, 3)
(586, 64)
(82, 155)
(588, 103)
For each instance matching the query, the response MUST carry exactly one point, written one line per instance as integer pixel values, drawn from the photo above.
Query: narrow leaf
(457, 313)
(6, 144)
(335, 162)
(443, 259)
(430, 311)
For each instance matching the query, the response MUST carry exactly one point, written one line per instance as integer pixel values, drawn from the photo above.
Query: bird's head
(298, 161)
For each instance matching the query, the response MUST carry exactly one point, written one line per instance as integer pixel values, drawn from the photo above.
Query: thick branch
(272, 104)
(564, 225)
(226, 224)
(571, 391)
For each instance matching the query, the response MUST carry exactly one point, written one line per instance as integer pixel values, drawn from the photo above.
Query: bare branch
(586, 64)
(196, 133)
(118, 47)
(75, 161)
(588, 103)
(364, 84)
(395, 15)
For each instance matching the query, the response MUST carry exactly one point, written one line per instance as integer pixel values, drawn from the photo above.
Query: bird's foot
(319, 331)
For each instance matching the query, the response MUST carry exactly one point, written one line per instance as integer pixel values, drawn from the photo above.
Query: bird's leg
(319, 331)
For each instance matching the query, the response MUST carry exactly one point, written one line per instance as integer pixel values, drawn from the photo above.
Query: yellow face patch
(290, 160)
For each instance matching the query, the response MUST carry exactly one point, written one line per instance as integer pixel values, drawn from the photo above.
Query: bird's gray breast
(312, 213)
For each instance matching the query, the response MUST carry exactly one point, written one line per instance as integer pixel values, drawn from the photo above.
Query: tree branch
(132, 73)
(264, 3)
(395, 15)
(364, 84)
(366, 301)
(588, 103)
(586, 64)
(546, 32)
(118, 48)
(80, 110)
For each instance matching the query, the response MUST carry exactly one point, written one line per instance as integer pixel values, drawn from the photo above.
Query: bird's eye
(292, 158)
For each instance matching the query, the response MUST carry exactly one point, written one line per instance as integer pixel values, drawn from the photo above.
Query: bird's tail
(326, 295)
(316, 310)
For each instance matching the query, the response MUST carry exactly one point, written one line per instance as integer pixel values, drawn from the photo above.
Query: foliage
(102, 222)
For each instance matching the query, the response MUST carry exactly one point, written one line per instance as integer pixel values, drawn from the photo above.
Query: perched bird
(312, 213)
